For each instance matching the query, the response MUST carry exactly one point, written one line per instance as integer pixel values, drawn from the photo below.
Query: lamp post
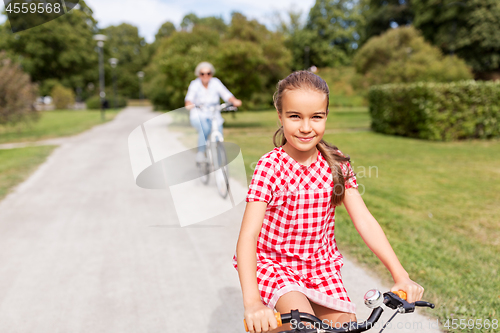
(100, 44)
(141, 76)
(114, 62)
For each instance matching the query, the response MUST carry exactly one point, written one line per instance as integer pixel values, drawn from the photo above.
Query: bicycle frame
(216, 155)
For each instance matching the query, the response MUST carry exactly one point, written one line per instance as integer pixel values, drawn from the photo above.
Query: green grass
(17, 164)
(437, 202)
(54, 124)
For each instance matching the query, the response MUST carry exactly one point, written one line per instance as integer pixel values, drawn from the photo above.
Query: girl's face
(303, 118)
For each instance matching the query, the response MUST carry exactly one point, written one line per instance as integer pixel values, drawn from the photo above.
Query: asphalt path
(84, 249)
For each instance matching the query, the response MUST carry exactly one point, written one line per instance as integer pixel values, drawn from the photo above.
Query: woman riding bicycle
(204, 92)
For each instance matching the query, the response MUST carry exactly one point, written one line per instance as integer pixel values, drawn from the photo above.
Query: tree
(468, 29)
(166, 30)
(212, 22)
(17, 93)
(386, 14)
(402, 55)
(249, 59)
(338, 27)
(61, 49)
(171, 68)
(125, 44)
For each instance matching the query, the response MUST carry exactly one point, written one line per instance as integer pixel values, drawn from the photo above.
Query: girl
(286, 254)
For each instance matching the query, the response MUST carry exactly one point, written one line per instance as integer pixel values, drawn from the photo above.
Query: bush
(17, 93)
(63, 97)
(437, 111)
(403, 56)
(340, 81)
(94, 102)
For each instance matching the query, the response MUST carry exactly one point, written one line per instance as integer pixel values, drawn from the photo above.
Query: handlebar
(373, 299)
(224, 107)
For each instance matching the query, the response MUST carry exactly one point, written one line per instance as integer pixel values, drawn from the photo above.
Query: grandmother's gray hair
(202, 65)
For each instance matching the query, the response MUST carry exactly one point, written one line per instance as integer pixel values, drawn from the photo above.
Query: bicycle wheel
(221, 169)
(204, 168)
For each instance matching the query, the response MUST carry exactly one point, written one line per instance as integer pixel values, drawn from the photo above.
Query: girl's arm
(375, 239)
(257, 315)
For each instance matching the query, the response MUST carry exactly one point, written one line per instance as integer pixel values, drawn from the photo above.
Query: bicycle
(373, 299)
(216, 158)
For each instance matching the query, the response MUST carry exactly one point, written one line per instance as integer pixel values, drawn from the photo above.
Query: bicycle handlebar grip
(277, 315)
(400, 294)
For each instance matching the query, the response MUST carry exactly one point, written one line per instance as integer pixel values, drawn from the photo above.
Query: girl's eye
(294, 116)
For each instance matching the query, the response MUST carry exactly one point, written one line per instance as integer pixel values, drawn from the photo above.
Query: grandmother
(204, 92)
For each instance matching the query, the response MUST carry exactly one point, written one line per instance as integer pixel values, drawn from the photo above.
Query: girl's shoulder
(270, 159)
(273, 158)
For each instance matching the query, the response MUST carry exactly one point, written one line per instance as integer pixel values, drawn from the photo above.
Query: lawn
(437, 203)
(53, 124)
(17, 164)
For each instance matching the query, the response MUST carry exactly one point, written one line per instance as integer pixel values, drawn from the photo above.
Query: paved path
(83, 249)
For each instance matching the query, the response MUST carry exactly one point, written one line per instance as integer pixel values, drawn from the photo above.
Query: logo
(164, 154)
(26, 14)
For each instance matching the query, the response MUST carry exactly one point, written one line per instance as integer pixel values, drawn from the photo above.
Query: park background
(425, 146)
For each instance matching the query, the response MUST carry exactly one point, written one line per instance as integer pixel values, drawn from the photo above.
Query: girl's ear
(279, 117)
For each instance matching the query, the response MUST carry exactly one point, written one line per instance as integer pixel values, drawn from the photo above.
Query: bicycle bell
(373, 298)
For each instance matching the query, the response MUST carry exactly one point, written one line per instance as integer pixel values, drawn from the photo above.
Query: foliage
(166, 30)
(62, 97)
(125, 44)
(437, 111)
(338, 28)
(211, 22)
(302, 42)
(248, 58)
(383, 15)
(60, 49)
(468, 29)
(402, 55)
(94, 102)
(17, 93)
(342, 91)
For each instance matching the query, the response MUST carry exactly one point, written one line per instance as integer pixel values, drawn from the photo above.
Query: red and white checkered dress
(296, 248)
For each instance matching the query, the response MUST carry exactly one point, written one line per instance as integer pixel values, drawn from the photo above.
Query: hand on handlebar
(236, 102)
(260, 318)
(413, 290)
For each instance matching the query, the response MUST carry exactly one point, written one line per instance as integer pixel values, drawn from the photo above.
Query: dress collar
(295, 163)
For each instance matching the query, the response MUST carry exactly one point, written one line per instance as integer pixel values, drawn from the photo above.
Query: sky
(149, 15)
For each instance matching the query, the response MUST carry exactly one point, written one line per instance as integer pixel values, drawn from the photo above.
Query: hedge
(437, 111)
(94, 102)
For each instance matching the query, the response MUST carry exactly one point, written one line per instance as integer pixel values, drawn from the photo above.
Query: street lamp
(141, 76)
(100, 43)
(114, 62)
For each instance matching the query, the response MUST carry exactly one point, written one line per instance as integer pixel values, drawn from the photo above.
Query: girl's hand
(260, 318)
(414, 291)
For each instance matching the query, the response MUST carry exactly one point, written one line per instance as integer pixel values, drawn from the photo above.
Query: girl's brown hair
(308, 80)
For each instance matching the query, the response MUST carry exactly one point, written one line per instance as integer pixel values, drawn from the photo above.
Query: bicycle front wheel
(204, 168)
(221, 169)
